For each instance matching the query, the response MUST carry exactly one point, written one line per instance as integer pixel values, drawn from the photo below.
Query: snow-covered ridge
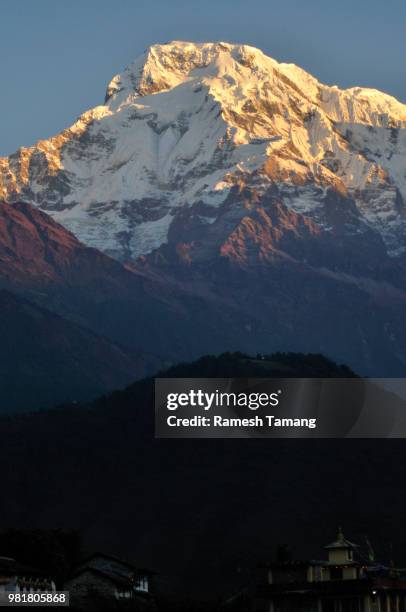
(186, 122)
(241, 67)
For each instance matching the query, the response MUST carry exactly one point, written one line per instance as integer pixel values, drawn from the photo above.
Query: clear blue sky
(57, 55)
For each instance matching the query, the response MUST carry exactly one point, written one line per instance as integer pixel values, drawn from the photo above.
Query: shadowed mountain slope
(45, 359)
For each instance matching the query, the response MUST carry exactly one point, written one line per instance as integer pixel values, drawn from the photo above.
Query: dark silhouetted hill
(197, 510)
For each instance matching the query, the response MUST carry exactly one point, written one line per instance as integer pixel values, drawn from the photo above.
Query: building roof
(118, 580)
(11, 567)
(341, 542)
(280, 565)
(131, 566)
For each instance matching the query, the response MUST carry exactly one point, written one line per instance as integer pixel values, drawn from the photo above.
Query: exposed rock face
(37, 250)
(188, 126)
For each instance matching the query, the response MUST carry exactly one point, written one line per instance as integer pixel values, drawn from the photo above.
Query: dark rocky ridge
(291, 284)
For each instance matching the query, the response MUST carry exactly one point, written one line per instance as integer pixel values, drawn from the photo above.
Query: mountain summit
(193, 137)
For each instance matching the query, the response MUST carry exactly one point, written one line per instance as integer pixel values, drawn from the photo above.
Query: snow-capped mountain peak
(189, 126)
(162, 67)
